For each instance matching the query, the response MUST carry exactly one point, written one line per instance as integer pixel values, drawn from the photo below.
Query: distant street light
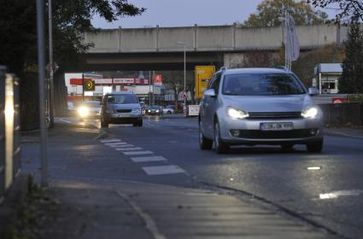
(185, 75)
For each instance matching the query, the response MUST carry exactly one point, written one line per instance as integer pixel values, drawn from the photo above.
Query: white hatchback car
(252, 106)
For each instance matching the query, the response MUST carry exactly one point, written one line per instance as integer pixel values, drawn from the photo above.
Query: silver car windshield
(122, 99)
(262, 84)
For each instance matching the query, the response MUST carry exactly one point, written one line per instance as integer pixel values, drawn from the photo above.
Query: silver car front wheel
(219, 145)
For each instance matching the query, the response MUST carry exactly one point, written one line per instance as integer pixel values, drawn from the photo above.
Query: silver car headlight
(310, 112)
(236, 114)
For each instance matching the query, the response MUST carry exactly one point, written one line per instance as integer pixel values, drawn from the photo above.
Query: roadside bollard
(16, 141)
(2, 132)
(9, 130)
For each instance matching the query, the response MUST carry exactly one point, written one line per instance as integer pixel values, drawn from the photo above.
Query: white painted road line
(129, 149)
(109, 140)
(162, 170)
(115, 144)
(148, 159)
(120, 147)
(137, 153)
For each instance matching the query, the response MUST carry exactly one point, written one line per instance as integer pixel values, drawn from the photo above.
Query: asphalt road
(325, 189)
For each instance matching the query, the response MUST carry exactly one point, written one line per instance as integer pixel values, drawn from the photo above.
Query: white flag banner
(292, 45)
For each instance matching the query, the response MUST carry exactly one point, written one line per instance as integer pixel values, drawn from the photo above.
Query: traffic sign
(89, 85)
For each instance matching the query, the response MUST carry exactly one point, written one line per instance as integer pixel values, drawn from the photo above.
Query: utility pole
(51, 65)
(42, 96)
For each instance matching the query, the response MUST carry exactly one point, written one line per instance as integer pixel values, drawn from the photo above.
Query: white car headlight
(83, 111)
(237, 114)
(310, 113)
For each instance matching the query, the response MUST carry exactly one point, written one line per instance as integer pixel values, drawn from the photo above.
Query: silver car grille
(275, 115)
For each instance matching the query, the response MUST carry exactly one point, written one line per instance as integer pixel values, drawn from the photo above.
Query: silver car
(121, 108)
(252, 106)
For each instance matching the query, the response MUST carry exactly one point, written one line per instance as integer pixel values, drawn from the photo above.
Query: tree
(351, 10)
(304, 66)
(70, 19)
(269, 13)
(352, 77)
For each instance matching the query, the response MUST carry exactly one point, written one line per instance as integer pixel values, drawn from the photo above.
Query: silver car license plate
(274, 126)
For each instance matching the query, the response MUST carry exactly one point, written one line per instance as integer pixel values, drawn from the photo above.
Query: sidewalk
(345, 132)
(85, 207)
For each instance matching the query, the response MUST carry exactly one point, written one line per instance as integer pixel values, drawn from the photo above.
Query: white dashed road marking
(132, 150)
(129, 149)
(148, 159)
(120, 147)
(115, 144)
(137, 153)
(162, 170)
(110, 140)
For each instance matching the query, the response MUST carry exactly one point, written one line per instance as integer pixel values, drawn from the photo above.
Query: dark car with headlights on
(89, 109)
(252, 106)
(121, 108)
(154, 110)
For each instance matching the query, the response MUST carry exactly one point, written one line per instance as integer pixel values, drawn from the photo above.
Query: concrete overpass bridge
(162, 48)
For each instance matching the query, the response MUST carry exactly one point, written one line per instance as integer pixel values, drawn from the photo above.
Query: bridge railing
(208, 38)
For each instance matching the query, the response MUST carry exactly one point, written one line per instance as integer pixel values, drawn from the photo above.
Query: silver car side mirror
(210, 92)
(313, 91)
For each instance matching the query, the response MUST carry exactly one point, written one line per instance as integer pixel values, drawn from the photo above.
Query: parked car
(254, 106)
(89, 109)
(121, 108)
(154, 110)
(169, 109)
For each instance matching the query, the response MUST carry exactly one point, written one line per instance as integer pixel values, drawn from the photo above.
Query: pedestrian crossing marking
(120, 147)
(137, 153)
(129, 149)
(163, 170)
(115, 144)
(148, 159)
(109, 140)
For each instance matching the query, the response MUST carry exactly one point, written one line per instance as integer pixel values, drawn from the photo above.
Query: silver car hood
(288, 103)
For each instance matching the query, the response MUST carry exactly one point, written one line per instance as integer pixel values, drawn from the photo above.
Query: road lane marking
(137, 153)
(129, 149)
(115, 144)
(120, 147)
(109, 140)
(162, 170)
(148, 159)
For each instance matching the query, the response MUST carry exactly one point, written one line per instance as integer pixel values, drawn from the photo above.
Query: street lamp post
(51, 65)
(185, 76)
(42, 96)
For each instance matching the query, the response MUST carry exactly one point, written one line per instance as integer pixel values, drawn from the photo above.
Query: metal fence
(9, 130)
(343, 114)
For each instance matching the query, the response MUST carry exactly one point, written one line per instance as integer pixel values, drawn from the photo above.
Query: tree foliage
(269, 13)
(304, 66)
(18, 46)
(352, 77)
(70, 19)
(351, 10)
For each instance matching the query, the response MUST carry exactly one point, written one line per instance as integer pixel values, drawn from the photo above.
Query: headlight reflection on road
(337, 194)
(313, 168)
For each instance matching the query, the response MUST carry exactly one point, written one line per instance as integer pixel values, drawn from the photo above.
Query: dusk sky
(185, 13)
